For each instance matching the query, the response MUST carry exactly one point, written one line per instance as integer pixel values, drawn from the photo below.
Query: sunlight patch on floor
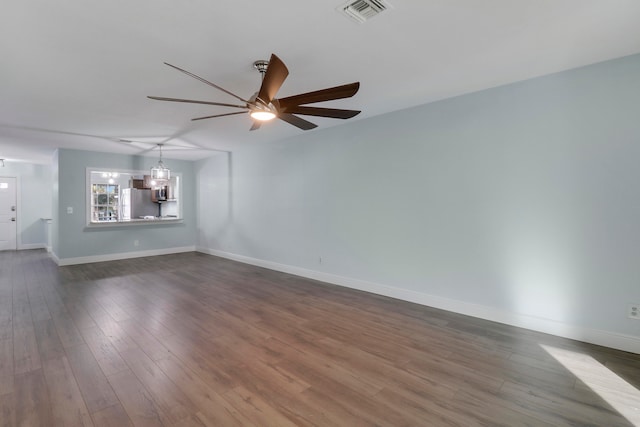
(619, 394)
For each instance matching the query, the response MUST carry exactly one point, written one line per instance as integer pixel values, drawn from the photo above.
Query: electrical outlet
(633, 311)
(136, 242)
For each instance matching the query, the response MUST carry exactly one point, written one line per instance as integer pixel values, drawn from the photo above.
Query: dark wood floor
(195, 340)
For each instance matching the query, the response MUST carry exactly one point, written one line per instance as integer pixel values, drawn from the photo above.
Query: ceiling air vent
(363, 10)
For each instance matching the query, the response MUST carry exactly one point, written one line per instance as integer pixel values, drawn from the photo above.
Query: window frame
(88, 205)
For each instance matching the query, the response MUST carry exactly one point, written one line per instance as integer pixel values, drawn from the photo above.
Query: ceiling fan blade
(334, 113)
(219, 115)
(296, 121)
(276, 74)
(256, 125)
(329, 94)
(191, 101)
(206, 82)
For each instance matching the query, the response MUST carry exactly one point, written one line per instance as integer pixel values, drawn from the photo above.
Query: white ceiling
(76, 73)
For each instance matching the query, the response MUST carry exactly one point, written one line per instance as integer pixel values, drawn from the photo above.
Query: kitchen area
(131, 197)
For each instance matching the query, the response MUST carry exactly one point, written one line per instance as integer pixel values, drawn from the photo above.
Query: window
(105, 202)
(115, 196)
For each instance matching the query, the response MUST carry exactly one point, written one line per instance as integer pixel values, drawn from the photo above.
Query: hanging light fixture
(160, 172)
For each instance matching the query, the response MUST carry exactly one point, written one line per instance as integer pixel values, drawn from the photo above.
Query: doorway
(8, 214)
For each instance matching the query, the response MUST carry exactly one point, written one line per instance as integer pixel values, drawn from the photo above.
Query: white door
(8, 214)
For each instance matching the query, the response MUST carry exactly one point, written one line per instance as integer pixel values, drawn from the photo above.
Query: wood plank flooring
(195, 340)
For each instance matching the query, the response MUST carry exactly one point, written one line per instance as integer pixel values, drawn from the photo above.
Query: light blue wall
(524, 198)
(34, 201)
(76, 240)
(213, 200)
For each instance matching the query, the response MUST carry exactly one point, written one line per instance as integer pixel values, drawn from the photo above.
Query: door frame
(18, 210)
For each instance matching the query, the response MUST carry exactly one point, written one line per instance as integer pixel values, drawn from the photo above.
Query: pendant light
(160, 172)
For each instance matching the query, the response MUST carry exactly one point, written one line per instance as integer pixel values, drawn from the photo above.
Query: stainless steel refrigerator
(136, 204)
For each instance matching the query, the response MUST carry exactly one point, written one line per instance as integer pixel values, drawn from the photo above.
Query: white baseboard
(123, 255)
(604, 338)
(28, 246)
(54, 257)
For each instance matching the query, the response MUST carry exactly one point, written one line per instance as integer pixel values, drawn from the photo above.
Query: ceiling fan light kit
(263, 112)
(263, 116)
(264, 106)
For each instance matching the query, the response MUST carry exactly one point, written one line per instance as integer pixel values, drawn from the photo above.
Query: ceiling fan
(264, 105)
